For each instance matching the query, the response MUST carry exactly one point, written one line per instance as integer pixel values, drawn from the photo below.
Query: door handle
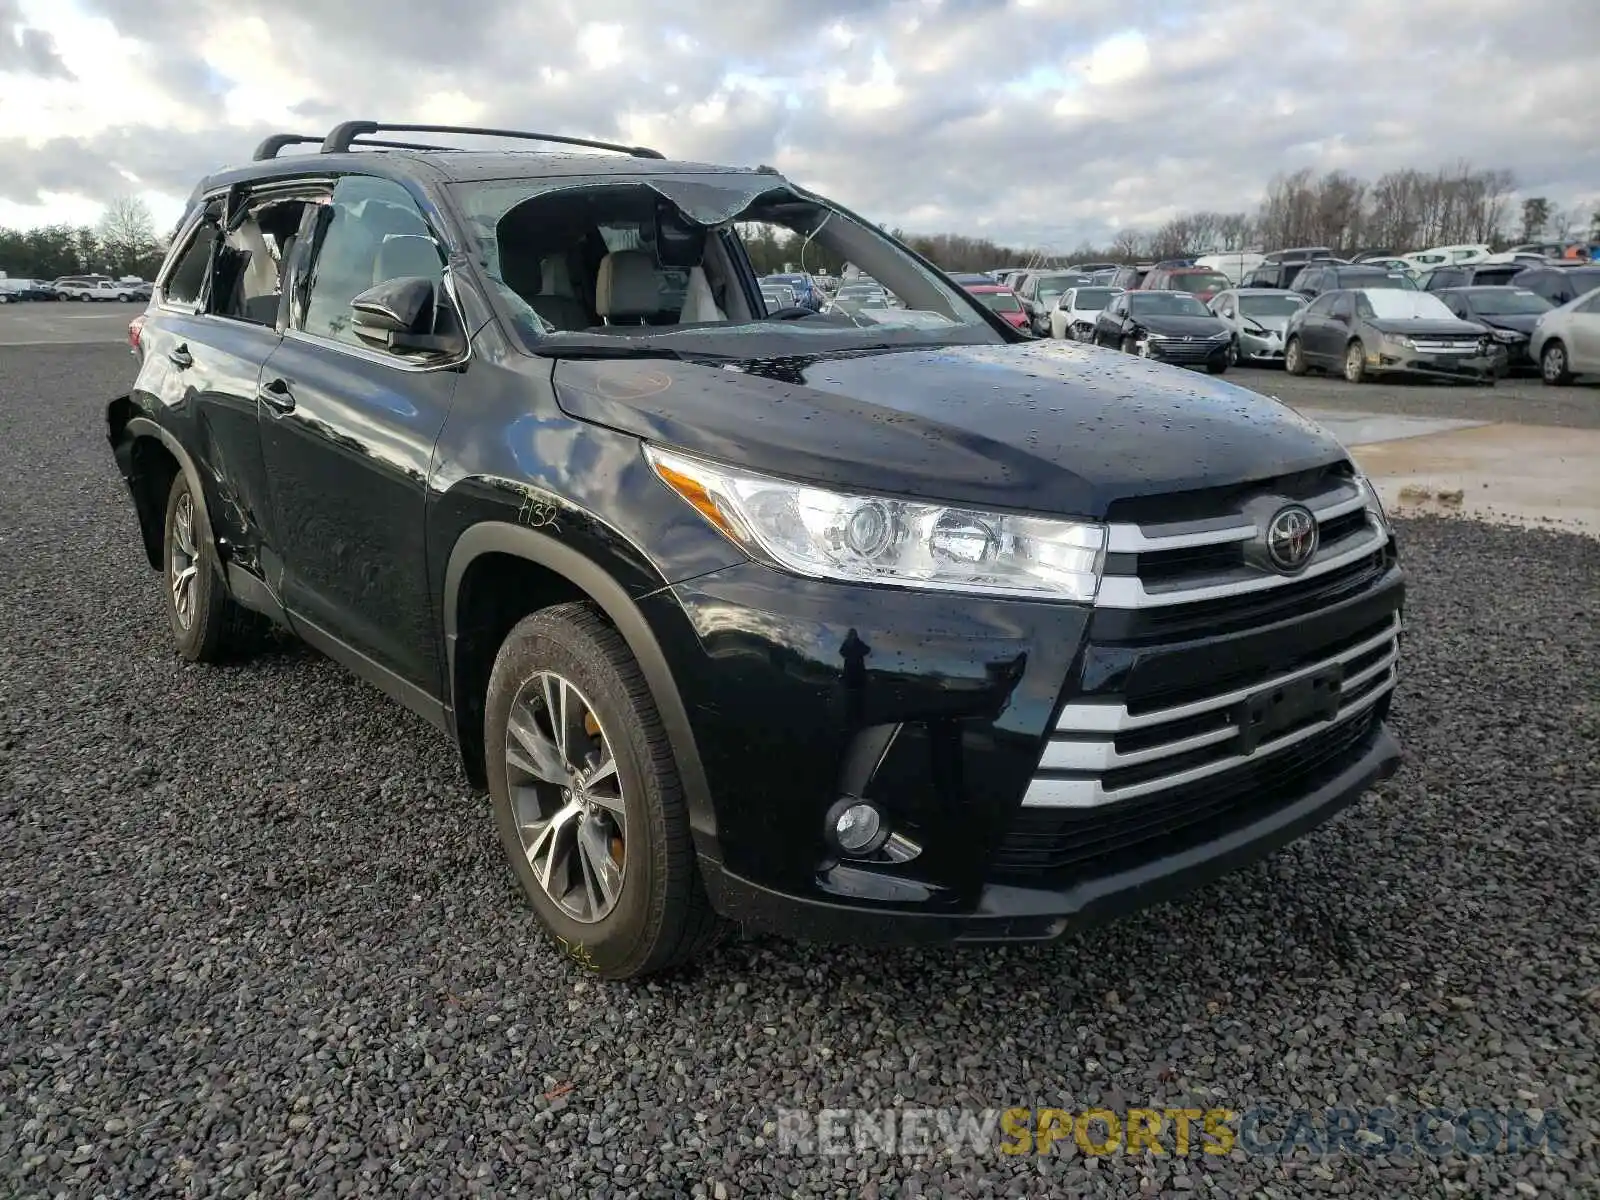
(276, 395)
(180, 357)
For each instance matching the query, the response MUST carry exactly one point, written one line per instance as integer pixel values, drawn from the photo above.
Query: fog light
(855, 827)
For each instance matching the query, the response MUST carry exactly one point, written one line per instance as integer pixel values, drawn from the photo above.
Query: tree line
(123, 243)
(1401, 211)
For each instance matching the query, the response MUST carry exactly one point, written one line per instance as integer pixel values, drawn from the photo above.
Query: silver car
(1566, 341)
(1258, 318)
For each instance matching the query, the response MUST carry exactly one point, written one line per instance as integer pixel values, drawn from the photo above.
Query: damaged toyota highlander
(884, 626)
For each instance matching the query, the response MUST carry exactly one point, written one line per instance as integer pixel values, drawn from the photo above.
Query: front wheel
(1294, 360)
(1553, 366)
(587, 798)
(1355, 363)
(1217, 368)
(1233, 353)
(86, 298)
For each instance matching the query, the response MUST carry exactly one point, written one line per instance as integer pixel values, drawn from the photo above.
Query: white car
(1074, 313)
(1566, 341)
(1442, 256)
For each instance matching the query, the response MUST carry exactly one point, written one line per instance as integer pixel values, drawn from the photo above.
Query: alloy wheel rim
(1352, 363)
(1553, 363)
(183, 568)
(567, 797)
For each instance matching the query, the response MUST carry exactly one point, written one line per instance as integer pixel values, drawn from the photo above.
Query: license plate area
(1284, 707)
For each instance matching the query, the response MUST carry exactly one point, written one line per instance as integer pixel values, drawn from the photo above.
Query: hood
(1426, 327)
(1175, 323)
(1521, 322)
(1050, 426)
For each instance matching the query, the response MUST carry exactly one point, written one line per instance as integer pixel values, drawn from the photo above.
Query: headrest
(628, 285)
(404, 254)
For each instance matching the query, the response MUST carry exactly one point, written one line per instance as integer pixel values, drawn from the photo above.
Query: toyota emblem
(1291, 538)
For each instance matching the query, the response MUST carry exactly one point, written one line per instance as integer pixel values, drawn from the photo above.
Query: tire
(207, 624)
(657, 916)
(1129, 346)
(1294, 361)
(1217, 368)
(1355, 362)
(1233, 353)
(86, 298)
(1554, 364)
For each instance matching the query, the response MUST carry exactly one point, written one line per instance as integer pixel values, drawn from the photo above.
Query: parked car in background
(1002, 302)
(853, 297)
(30, 289)
(1235, 264)
(968, 279)
(1172, 327)
(1317, 277)
(1077, 310)
(1201, 282)
(1559, 285)
(777, 296)
(1443, 256)
(86, 288)
(1039, 292)
(1566, 340)
(1279, 268)
(1481, 274)
(806, 293)
(1129, 277)
(1380, 331)
(1090, 268)
(1509, 313)
(1257, 318)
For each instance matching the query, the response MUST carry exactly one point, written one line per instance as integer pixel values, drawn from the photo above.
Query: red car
(1197, 281)
(1001, 300)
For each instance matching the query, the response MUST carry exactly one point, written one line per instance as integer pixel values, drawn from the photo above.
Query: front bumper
(1260, 348)
(1392, 360)
(951, 714)
(1006, 912)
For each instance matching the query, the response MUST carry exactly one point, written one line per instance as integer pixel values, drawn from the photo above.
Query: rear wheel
(587, 798)
(1553, 366)
(1294, 360)
(207, 624)
(1355, 362)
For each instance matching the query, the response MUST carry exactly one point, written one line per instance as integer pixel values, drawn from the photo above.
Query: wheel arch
(150, 458)
(565, 574)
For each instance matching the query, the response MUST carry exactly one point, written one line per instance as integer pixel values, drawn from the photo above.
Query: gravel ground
(258, 939)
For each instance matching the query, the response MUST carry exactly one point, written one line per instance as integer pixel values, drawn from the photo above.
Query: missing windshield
(593, 261)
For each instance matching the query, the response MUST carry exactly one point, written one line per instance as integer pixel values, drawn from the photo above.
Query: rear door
(200, 361)
(1314, 329)
(1584, 330)
(348, 433)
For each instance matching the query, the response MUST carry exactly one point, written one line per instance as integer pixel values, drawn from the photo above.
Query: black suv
(883, 626)
(1315, 278)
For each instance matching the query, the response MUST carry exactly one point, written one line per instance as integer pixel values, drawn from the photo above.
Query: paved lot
(257, 937)
(65, 322)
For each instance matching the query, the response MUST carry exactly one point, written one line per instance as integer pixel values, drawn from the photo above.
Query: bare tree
(127, 234)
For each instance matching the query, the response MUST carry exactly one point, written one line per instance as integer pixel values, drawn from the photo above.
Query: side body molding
(505, 538)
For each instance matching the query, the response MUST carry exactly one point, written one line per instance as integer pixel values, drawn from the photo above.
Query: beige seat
(627, 289)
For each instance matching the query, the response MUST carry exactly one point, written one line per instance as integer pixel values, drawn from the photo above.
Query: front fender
(503, 537)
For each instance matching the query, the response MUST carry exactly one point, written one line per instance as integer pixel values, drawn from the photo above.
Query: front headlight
(871, 539)
(1374, 505)
(1400, 340)
(1505, 335)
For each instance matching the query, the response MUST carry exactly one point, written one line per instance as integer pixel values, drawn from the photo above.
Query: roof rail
(270, 146)
(343, 137)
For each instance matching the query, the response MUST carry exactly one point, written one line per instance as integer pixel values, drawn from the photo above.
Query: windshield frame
(1477, 302)
(1294, 300)
(1415, 299)
(974, 324)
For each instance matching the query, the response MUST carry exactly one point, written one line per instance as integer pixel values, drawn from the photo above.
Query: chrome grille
(1102, 752)
(1184, 350)
(1186, 562)
(1447, 345)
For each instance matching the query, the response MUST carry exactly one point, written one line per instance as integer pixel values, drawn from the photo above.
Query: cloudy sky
(1033, 121)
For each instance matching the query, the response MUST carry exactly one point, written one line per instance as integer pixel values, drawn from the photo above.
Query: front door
(348, 432)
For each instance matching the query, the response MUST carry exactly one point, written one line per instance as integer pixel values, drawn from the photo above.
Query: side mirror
(407, 314)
